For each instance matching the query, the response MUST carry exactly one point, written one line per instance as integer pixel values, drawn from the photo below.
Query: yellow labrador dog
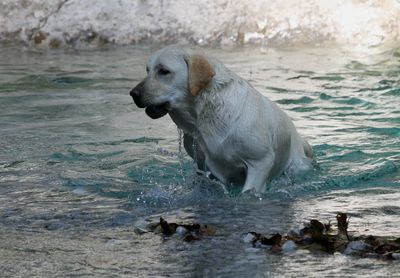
(229, 128)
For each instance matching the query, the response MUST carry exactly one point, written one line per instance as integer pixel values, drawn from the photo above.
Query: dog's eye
(147, 69)
(163, 72)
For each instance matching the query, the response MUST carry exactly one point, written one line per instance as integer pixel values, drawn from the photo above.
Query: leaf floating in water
(317, 226)
(188, 232)
(167, 228)
(342, 223)
(190, 237)
(258, 240)
(207, 230)
(275, 241)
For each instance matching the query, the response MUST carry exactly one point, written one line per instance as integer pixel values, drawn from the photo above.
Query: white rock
(355, 247)
(295, 232)
(181, 231)
(289, 246)
(141, 226)
(396, 256)
(247, 238)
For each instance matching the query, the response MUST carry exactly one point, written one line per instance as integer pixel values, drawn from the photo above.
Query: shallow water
(79, 164)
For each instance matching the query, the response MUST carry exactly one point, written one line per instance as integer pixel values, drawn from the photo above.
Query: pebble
(247, 238)
(141, 226)
(355, 247)
(289, 246)
(396, 256)
(181, 231)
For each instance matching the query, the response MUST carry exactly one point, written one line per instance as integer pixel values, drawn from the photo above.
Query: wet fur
(230, 128)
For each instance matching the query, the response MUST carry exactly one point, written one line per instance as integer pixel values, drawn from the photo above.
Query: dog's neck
(212, 114)
(185, 119)
(215, 110)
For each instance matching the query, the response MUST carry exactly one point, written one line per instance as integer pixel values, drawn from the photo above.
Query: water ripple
(79, 163)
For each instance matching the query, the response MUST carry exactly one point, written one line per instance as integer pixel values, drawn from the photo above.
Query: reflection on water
(79, 163)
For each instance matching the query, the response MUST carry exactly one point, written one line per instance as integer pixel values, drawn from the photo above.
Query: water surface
(79, 164)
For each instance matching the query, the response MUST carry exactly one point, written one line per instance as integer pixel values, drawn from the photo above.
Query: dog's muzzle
(157, 111)
(153, 111)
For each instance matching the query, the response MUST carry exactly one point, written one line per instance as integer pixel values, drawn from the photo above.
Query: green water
(79, 164)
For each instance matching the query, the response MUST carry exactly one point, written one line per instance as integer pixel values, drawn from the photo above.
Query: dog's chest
(222, 159)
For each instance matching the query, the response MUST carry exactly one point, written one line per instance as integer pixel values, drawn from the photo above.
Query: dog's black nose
(136, 93)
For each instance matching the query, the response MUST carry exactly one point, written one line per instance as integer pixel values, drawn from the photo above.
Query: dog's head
(175, 76)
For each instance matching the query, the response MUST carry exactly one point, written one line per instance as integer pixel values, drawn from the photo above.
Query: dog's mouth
(157, 111)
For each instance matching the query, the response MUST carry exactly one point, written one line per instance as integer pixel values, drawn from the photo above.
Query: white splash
(208, 22)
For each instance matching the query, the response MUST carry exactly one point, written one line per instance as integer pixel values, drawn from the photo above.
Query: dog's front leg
(258, 172)
(193, 150)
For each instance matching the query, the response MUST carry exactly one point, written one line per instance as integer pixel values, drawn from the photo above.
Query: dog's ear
(200, 73)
